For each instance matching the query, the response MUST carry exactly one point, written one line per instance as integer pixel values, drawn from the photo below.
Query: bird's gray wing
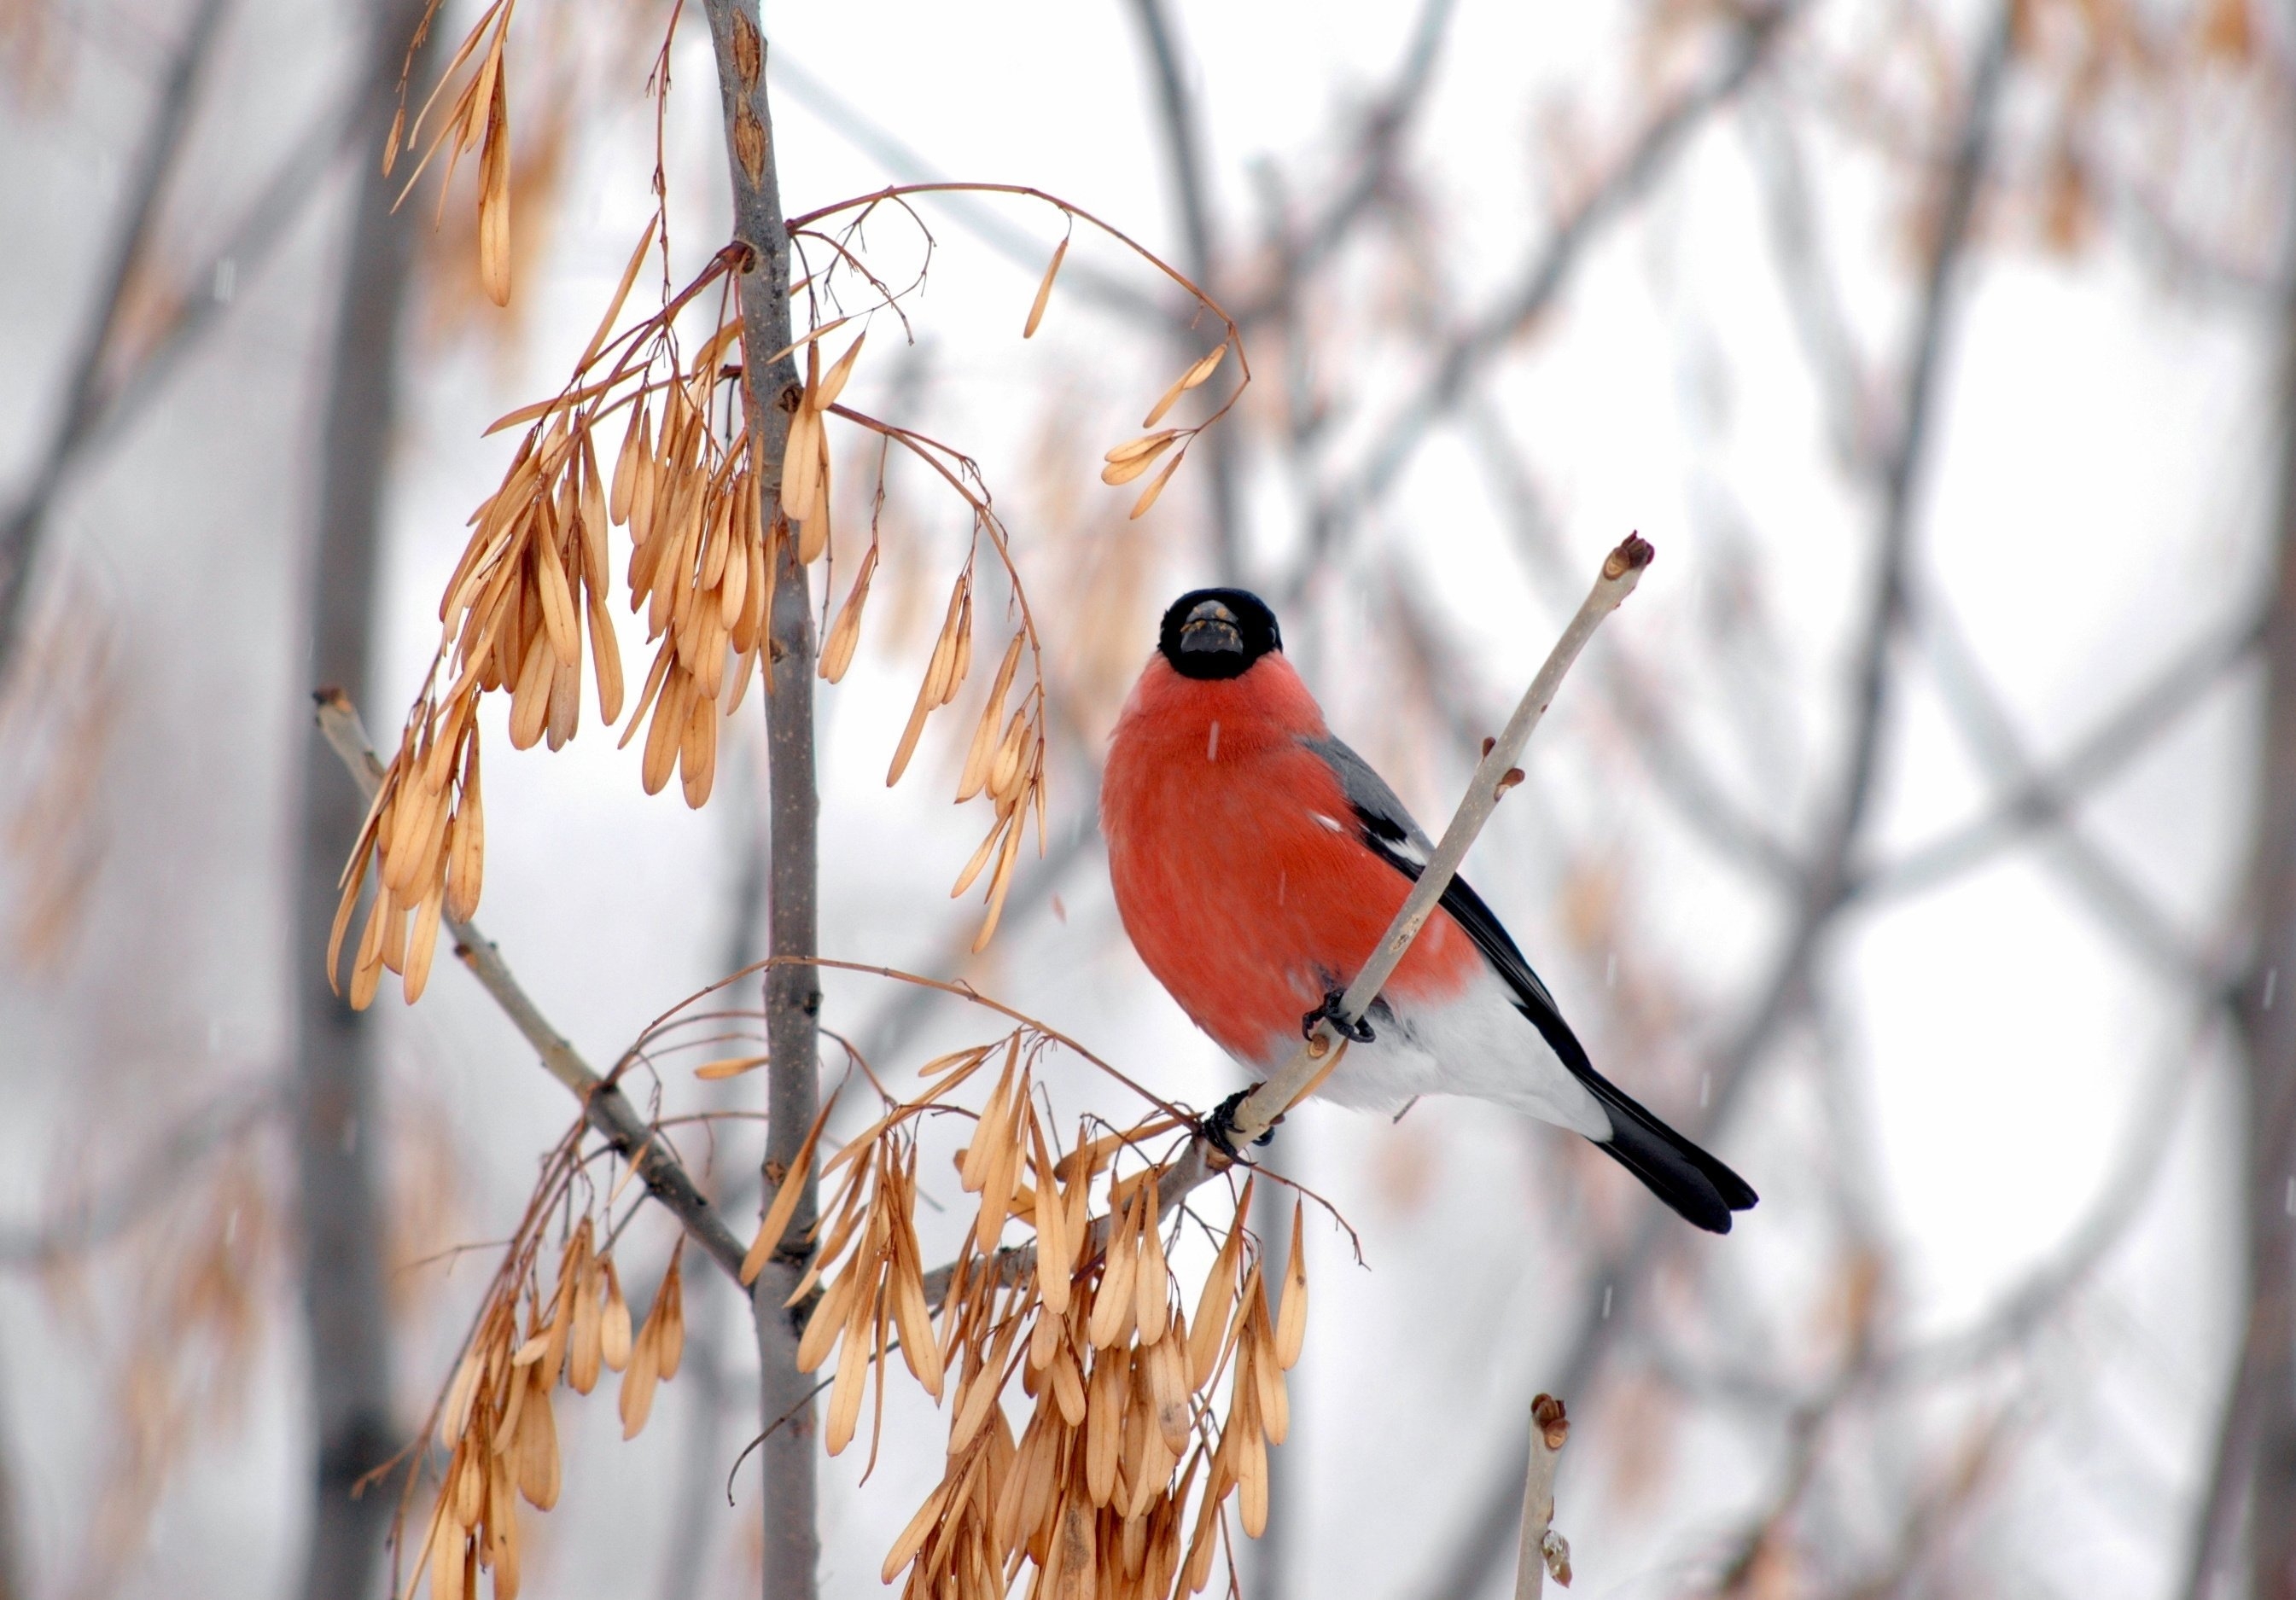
(1389, 832)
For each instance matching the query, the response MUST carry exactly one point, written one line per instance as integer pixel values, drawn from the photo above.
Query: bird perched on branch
(1256, 862)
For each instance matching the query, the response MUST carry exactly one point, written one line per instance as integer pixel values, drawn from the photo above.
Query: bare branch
(2047, 793)
(154, 1178)
(1384, 127)
(1541, 1551)
(1463, 358)
(603, 1105)
(1181, 124)
(792, 1552)
(2119, 902)
(155, 162)
(1827, 880)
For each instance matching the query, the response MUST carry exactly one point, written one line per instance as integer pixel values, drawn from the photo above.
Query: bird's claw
(1219, 1129)
(1330, 1011)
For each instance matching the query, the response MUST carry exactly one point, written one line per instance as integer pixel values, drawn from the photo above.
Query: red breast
(1237, 864)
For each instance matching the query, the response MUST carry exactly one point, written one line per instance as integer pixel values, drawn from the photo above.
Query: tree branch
(792, 989)
(152, 1178)
(1383, 125)
(2045, 793)
(1181, 124)
(1827, 879)
(1541, 1551)
(604, 1106)
(1462, 357)
(155, 162)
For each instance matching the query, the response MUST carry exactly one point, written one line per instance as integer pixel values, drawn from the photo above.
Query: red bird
(1257, 860)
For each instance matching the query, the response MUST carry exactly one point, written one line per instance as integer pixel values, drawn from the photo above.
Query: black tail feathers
(1678, 1172)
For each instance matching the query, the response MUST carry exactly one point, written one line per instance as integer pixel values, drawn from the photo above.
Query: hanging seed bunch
(536, 576)
(1116, 1481)
(478, 119)
(495, 1418)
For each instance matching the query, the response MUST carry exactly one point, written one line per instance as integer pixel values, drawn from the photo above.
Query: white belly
(1476, 1045)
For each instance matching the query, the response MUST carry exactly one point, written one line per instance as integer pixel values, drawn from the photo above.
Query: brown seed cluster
(1116, 1481)
(527, 610)
(495, 1418)
(479, 120)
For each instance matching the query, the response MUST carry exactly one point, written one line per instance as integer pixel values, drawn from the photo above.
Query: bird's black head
(1218, 632)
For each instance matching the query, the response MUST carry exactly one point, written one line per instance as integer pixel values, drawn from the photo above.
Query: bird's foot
(1219, 1129)
(1330, 1011)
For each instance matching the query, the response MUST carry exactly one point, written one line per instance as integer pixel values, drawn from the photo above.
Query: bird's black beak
(1210, 630)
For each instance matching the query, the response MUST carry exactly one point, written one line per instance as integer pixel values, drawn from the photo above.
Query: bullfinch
(1257, 860)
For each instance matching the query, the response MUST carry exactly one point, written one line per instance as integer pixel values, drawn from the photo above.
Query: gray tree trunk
(337, 1128)
(2253, 1480)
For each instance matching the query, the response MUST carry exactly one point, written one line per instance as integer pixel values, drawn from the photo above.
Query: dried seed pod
(1134, 457)
(559, 618)
(1004, 766)
(784, 1206)
(1194, 376)
(564, 713)
(494, 196)
(670, 1306)
(1045, 290)
(393, 932)
(827, 1322)
(801, 462)
(1112, 1302)
(1052, 1238)
(984, 746)
(531, 700)
(422, 941)
(980, 857)
(913, 1537)
(1208, 1329)
(1168, 1389)
(833, 381)
(1068, 1386)
(845, 1393)
(1104, 1428)
(605, 658)
(455, 1416)
(1156, 487)
(448, 1537)
(667, 734)
(636, 1400)
(538, 1446)
(614, 1323)
(813, 532)
(583, 1350)
(734, 586)
(698, 749)
(1151, 1281)
(1291, 1313)
(845, 632)
(972, 1170)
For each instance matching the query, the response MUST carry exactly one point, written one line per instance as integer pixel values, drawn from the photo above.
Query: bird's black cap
(1218, 632)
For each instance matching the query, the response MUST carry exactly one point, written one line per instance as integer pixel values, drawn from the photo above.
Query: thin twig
(603, 1106)
(1541, 1551)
